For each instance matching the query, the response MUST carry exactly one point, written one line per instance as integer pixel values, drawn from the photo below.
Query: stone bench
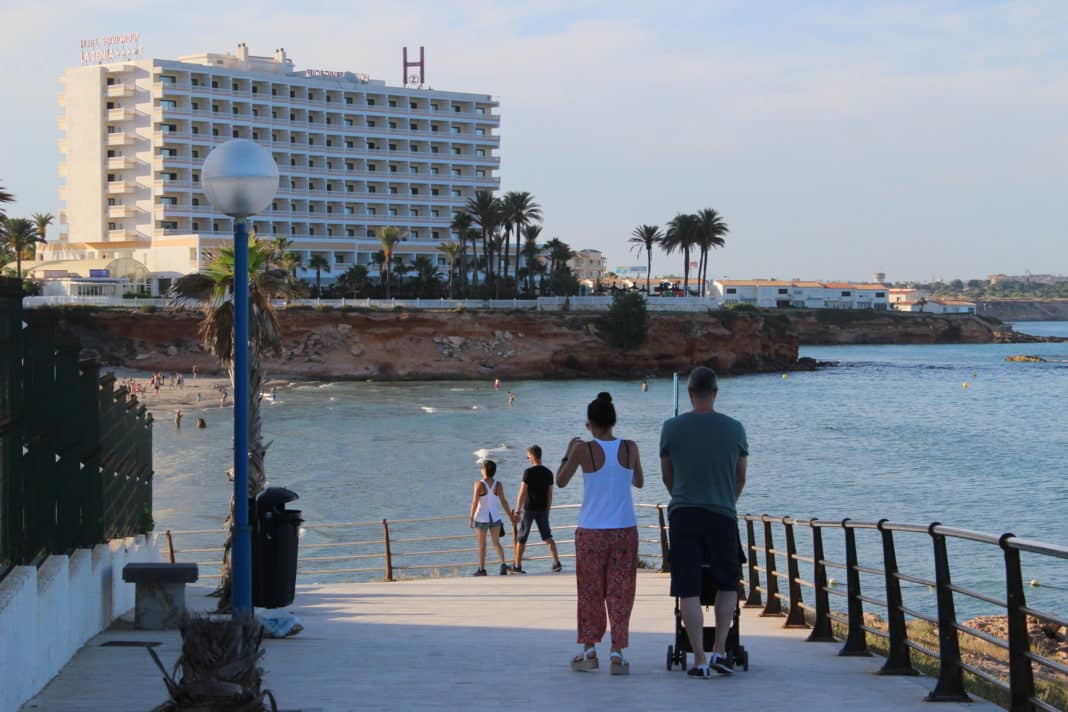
(160, 594)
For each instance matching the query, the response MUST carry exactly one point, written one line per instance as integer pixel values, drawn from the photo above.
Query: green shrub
(147, 308)
(627, 324)
(742, 307)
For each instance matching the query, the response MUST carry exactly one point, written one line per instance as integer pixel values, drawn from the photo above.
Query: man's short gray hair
(702, 381)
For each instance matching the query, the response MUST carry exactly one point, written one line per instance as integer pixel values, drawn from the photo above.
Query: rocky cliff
(1025, 309)
(829, 326)
(426, 344)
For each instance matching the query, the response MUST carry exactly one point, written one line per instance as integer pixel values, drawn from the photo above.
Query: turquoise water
(890, 431)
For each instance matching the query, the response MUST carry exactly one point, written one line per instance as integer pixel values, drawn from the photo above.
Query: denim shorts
(487, 525)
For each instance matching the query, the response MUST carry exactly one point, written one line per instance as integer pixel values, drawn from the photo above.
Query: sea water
(947, 433)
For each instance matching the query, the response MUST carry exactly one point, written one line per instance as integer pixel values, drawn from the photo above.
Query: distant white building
(588, 265)
(771, 294)
(937, 306)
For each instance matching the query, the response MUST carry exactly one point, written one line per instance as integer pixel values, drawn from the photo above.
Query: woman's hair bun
(604, 397)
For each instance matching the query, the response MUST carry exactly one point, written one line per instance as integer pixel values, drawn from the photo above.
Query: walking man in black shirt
(532, 506)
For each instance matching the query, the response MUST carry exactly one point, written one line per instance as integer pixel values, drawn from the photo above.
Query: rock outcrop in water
(328, 343)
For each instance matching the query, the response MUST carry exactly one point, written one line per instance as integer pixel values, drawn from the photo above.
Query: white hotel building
(797, 294)
(355, 156)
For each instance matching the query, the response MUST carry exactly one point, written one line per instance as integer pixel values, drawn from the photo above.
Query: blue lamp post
(240, 179)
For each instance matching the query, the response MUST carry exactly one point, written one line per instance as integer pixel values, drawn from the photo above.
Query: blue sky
(919, 138)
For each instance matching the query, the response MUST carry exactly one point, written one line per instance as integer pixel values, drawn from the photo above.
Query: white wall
(48, 613)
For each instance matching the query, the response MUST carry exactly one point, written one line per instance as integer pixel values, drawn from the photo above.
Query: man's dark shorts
(700, 537)
(541, 518)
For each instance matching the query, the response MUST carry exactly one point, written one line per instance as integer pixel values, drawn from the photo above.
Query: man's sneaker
(479, 572)
(504, 569)
(558, 567)
(721, 664)
(516, 569)
(699, 671)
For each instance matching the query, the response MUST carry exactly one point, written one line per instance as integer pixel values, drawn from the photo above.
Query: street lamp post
(240, 178)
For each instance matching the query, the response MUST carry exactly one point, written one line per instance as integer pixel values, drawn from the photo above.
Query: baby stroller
(736, 653)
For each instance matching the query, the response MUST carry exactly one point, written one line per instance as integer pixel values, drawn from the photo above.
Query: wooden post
(170, 545)
(389, 554)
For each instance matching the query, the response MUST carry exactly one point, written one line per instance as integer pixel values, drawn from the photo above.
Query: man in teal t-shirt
(703, 457)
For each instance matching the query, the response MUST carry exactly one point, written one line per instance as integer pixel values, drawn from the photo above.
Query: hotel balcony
(61, 123)
(121, 138)
(118, 187)
(159, 87)
(121, 114)
(119, 162)
(120, 211)
(62, 169)
(120, 90)
(122, 234)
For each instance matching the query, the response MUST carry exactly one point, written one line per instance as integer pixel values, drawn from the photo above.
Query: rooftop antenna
(415, 79)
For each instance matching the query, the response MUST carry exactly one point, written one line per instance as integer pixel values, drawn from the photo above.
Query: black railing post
(898, 661)
(1021, 677)
(796, 617)
(753, 601)
(665, 558)
(389, 552)
(773, 606)
(856, 639)
(950, 687)
(821, 627)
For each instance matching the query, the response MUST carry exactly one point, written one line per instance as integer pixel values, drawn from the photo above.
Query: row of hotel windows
(328, 142)
(308, 95)
(273, 228)
(330, 165)
(347, 122)
(783, 290)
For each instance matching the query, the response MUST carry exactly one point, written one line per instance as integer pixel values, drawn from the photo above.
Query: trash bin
(274, 549)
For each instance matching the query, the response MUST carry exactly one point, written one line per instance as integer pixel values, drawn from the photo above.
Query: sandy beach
(197, 394)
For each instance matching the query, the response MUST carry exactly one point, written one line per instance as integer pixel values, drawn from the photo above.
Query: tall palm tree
(400, 268)
(388, 239)
(518, 210)
(318, 263)
(461, 225)
(353, 280)
(681, 235)
(645, 237)
(531, 251)
(19, 234)
(710, 231)
(290, 262)
(426, 274)
(280, 245)
(213, 286)
(5, 197)
(41, 221)
(451, 250)
(485, 211)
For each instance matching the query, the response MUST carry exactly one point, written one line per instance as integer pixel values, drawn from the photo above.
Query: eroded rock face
(424, 344)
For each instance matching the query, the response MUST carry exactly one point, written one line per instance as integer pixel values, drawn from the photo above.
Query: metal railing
(425, 546)
(1019, 661)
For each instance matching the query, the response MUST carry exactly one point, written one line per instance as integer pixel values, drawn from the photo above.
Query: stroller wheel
(670, 658)
(743, 656)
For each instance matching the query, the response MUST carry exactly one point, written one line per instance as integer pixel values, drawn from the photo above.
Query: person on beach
(532, 505)
(703, 458)
(178, 420)
(486, 515)
(194, 372)
(606, 540)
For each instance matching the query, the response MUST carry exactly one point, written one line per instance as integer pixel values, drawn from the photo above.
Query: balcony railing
(115, 91)
(120, 138)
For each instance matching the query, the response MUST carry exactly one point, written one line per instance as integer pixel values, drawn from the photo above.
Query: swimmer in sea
(496, 384)
(511, 399)
(178, 420)
(645, 385)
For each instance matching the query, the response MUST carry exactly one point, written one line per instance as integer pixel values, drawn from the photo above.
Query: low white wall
(48, 613)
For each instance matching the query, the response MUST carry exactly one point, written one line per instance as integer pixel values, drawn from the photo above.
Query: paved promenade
(491, 643)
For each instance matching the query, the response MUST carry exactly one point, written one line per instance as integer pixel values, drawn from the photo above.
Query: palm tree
(19, 234)
(279, 247)
(531, 251)
(290, 262)
(353, 280)
(710, 231)
(390, 236)
(485, 211)
(5, 197)
(645, 237)
(41, 221)
(426, 273)
(681, 235)
(217, 333)
(318, 263)
(461, 225)
(400, 269)
(518, 210)
(453, 251)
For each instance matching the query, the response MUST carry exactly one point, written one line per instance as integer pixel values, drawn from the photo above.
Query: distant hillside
(1024, 309)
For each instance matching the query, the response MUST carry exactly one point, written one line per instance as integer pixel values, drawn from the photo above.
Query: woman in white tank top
(486, 515)
(606, 541)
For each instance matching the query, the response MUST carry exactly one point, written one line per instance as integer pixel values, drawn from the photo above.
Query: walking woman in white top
(606, 541)
(486, 515)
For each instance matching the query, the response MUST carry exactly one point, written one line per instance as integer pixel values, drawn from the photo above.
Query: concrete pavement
(491, 643)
